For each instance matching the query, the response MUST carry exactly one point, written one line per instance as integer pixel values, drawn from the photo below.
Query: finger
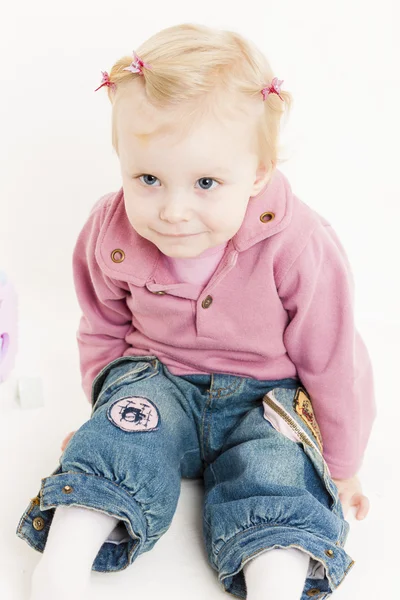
(357, 500)
(363, 505)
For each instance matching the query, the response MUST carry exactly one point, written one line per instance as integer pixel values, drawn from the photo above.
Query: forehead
(145, 130)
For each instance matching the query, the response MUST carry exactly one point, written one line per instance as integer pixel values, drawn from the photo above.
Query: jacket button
(38, 523)
(207, 302)
(67, 489)
(35, 500)
(267, 216)
(117, 255)
(329, 553)
(160, 292)
(313, 592)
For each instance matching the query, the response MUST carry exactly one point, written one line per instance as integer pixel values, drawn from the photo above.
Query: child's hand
(66, 440)
(350, 494)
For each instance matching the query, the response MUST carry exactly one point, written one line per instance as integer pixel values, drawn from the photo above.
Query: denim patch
(304, 408)
(134, 413)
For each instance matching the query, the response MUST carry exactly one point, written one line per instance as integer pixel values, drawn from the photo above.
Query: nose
(175, 209)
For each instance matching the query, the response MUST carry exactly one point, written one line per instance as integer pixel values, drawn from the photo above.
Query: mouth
(178, 235)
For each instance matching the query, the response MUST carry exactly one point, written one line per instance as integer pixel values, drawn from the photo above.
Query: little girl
(217, 340)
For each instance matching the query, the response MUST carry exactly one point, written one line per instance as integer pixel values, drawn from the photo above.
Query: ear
(263, 175)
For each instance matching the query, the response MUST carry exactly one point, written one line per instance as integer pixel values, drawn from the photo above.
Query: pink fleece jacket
(279, 304)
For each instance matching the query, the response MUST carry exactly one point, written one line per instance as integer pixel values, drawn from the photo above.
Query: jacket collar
(141, 256)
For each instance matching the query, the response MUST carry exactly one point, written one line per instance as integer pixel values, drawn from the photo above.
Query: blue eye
(207, 179)
(149, 180)
(151, 177)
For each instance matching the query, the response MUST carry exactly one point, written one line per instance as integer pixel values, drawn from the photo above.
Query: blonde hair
(195, 68)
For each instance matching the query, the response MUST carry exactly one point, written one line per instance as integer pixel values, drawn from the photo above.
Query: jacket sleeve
(106, 318)
(330, 356)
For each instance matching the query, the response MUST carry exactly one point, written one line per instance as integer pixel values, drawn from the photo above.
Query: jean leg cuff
(249, 543)
(93, 492)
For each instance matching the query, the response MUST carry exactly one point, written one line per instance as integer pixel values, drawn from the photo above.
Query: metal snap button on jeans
(329, 553)
(313, 592)
(207, 302)
(38, 523)
(67, 489)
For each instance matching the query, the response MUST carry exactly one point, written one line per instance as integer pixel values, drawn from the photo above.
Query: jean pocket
(123, 371)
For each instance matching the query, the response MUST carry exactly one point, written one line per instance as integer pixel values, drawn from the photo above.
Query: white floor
(176, 567)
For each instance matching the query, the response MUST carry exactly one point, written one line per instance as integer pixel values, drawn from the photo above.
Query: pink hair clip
(137, 65)
(105, 81)
(274, 88)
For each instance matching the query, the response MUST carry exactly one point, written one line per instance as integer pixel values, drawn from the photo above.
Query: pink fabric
(282, 305)
(198, 270)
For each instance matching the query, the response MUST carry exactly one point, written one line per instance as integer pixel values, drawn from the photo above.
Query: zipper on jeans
(290, 421)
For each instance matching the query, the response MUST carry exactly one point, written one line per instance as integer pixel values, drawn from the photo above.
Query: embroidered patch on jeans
(133, 414)
(303, 406)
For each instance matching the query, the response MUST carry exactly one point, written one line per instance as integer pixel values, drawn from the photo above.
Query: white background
(340, 62)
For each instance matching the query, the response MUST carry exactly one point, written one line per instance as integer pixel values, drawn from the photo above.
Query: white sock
(74, 540)
(278, 573)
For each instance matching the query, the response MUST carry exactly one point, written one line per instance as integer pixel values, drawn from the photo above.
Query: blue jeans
(256, 444)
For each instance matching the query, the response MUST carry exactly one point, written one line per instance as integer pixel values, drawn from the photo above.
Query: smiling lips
(177, 234)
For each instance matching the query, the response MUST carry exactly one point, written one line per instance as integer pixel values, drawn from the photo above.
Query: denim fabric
(266, 483)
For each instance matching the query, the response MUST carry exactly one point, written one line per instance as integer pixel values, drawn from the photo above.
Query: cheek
(138, 213)
(229, 219)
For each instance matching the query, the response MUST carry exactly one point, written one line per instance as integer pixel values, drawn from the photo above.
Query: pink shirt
(196, 271)
(279, 304)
